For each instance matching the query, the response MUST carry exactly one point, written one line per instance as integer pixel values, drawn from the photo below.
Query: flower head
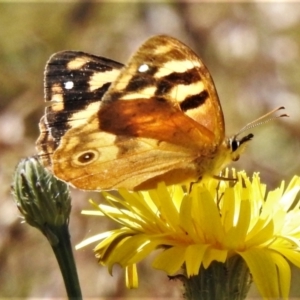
(45, 204)
(43, 200)
(217, 220)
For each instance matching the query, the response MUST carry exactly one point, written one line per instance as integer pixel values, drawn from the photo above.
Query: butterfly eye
(86, 157)
(234, 145)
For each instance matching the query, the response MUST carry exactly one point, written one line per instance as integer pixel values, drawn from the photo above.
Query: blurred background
(252, 51)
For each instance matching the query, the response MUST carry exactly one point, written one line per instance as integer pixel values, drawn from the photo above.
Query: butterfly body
(156, 119)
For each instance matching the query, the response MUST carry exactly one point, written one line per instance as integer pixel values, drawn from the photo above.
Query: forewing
(164, 70)
(74, 83)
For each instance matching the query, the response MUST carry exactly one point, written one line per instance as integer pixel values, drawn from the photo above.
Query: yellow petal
(131, 275)
(263, 270)
(126, 250)
(207, 217)
(292, 255)
(260, 233)
(170, 260)
(284, 274)
(194, 257)
(212, 254)
(167, 207)
(236, 236)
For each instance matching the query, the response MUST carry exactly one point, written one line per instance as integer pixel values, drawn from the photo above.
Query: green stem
(222, 281)
(62, 249)
(45, 203)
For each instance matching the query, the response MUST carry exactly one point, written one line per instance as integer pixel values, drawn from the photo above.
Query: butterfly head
(237, 146)
(233, 147)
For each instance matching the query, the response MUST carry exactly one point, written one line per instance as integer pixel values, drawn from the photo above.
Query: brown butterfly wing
(74, 84)
(159, 121)
(165, 70)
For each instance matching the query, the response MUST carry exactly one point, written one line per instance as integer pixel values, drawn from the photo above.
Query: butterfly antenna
(262, 120)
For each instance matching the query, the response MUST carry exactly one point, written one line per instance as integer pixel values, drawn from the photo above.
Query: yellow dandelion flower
(218, 220)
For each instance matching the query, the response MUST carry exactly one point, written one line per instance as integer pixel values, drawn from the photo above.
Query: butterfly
(158, 118)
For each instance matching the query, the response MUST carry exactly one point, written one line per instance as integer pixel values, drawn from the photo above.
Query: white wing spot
(143, 68)
(69, 85)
